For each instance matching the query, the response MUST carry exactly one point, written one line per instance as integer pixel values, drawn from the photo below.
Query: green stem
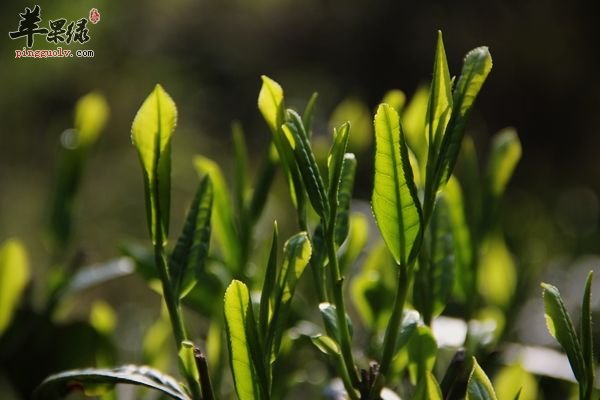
(174, 311)
(391, 333)
(338, 299)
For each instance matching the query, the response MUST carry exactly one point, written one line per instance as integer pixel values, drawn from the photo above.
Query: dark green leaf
(151, 133)
(479, 386)
(344, 197)
(587, 336)
(395, 203)
(222, 211)
(269, 283)
(561, 328)
(306, 163)
(188, 258)
(241, 167)
(92, 381)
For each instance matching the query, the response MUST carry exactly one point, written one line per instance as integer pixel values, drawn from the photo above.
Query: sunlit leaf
(358, 114)
(237, 301)
(14, 275)
(428, 389)
(395, 203)
(374, 286)
(476, 67)
(514, 379)
(561, 328)
(102, 317)
(335, 159)
(422, 351)
(151, 133)
(479, 386)
(461, 236)
(297, 252)
(58, 385)
(190, 253)
(497, 277)
(396, 99)
(439, 105)
(91, 114)
(504, 156)
(187, 360)
(413, 123)
(326, 345)
(358, 236)
(270, 103)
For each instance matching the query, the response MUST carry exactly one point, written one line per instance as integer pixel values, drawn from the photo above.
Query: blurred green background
(210, 55)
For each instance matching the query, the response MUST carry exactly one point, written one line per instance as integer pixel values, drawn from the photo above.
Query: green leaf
(497, 276)
(587, 337)
(190, 253)
(307, 116)
(14, 275)
(237, 303)
(222, 214)
(505, 154)
(435, 276)
(306, 163)
(396, 99)
(187, 360)
(335, 161)
(561, 328)
(269, 283)
(476, 67)
(358, 114)
(413, 123)
(479, 386)
(357, 234)
(428, 389)
(422, 351)
(514, 382)
(373, 288)
(328, 312)
(151, 133)
(439, 105)
(91, 114)
(410, 321)
(95, 381)
(326, 345)
(344, 198)
(264, 181)
(270, 103)
(395, 203)
(461, 235)
(297, 251)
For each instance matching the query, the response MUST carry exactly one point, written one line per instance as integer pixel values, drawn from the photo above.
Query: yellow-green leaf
(237, 300)
(422, 352)
(506, 153)
(479, 386)
(14, 275)
(497, 277)
(270, 103)
(151, 133)
(395, 202)
(514, 379)
(428, 389)
(91, 114)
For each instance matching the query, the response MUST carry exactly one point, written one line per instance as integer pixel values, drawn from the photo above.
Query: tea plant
(435, 252)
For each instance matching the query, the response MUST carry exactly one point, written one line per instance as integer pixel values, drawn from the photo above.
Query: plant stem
(174, 311)
(338, 299)
(391, 333)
